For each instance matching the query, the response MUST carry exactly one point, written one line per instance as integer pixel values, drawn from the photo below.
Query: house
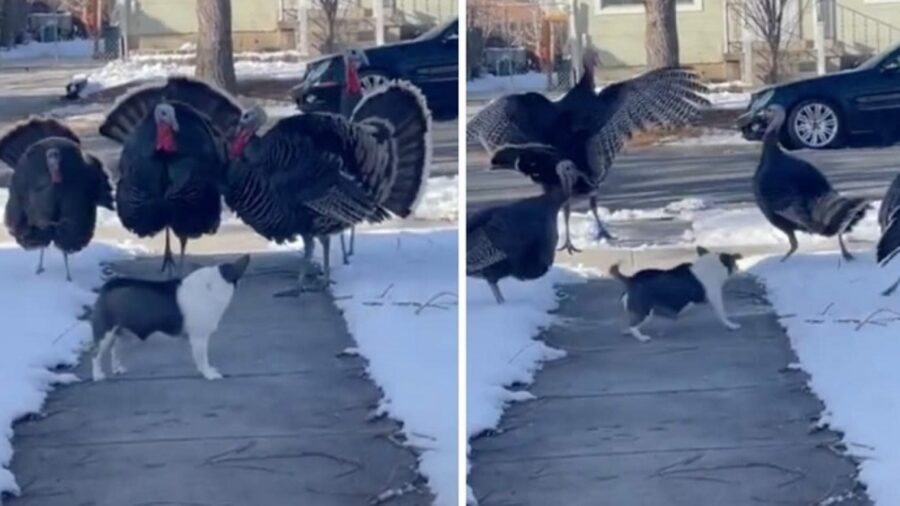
(714, 33)
(263, 25)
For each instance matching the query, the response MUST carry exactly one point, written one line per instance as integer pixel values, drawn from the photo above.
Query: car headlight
(762, 101)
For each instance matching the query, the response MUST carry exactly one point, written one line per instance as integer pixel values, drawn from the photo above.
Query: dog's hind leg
(638, 320)
(200, 350)
(115, 354)
(97, 361)
(718, 305)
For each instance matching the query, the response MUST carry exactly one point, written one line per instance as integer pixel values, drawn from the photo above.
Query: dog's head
(729, 260)
(232, 272)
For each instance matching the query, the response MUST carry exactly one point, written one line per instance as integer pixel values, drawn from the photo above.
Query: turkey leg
(40, 267)
(568, 246)
(846, 254)
(309, 246)
(496, 290)
(183, 241)
(792, 237)
(168, 262)
(66, 261)
(602, 233)
(891, 289)
(352, 241)
(326, 259)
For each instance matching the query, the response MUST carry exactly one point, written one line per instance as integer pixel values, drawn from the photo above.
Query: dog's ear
(702, 251)
(729, 260)
(233, 271)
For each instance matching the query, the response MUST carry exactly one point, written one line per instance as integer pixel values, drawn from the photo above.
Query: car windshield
(876, 60)
(436, 30)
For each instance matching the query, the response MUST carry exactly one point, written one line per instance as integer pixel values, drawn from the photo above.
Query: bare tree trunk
(215, 49)
(13, 13)
(661, 34)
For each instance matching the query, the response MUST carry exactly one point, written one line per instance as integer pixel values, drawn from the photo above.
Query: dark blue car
(430, 61)
(858, 107)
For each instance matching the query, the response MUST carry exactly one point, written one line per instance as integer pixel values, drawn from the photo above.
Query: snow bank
(40, 330)
(728, 100)
(67, 49)
(852, 366)
(710, 137)
(441, 200)
(120, 72)
(411, 349)
(747, 226)
(491, 85)
(501, 347)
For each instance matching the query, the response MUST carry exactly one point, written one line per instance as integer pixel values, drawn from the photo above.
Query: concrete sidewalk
(699, 416)
(288, 424)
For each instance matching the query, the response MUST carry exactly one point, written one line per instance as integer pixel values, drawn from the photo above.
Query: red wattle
(165, 138)
(55, 175)
(354, 87)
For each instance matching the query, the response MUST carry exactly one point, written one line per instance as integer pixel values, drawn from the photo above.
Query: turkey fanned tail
(833, 214)
(16, 141)
(215, 105)
(398, 112)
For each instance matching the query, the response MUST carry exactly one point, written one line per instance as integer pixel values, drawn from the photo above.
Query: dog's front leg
(718, 305)
(200, 350)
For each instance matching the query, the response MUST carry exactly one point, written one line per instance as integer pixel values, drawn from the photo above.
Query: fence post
(819, 33)
(378, 7)
(575, 40)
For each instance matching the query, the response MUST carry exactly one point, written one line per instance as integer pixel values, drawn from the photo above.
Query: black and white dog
(191, 307)
(668, 293)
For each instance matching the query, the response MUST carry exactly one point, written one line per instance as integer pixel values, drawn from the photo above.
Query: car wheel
(815, 124)
(372, 79)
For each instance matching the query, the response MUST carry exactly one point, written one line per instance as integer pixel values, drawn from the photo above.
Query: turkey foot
(844, 253)
(569, 247)
(602, 233)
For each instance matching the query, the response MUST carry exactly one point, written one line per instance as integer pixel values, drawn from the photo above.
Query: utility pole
(575, 40)
(125, 27)
(819, 32)
(303, 27)
(99, 29)
(378, 7)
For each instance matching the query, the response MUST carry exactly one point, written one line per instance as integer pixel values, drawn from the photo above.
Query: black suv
(430, 61)
(859, 107)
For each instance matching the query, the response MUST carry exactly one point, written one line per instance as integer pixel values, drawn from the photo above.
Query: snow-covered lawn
(502, 349)
(67, 49)
(147, 69)
(847, 337)
(491, 86)
(399, 297)
(714, 226)
(441, 200)
(710, 137)
(40, 331)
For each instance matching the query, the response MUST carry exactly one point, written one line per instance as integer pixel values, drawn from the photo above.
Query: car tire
(371, 79)
(815, 124)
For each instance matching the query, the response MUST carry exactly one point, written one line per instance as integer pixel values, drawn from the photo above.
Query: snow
(491, 85)
(728, 100)
(746, 226)
(399, 298)
(823, 303)
(40, 337)
(148, 69)
(441, 200)
(502, 349)
(710, 137)
(67, 49)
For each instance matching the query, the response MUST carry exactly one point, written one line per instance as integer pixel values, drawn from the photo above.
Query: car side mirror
(453, 39)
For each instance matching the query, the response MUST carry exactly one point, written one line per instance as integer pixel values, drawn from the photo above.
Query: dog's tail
(616, 272)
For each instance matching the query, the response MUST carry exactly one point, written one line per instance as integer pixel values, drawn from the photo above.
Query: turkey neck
(770, 149)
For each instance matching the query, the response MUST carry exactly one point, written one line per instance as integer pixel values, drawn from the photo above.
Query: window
(637, 6)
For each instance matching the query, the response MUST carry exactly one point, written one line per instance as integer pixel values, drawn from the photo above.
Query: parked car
(858, 107)
(430, 61)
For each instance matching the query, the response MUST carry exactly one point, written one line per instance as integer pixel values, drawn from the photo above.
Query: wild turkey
(315, 175)
(173, 159)
(55, 189)
(889, 244)
(584, 126)
(519, 239)
(794, 196)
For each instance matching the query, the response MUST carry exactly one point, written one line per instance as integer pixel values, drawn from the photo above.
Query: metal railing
(858, 31)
